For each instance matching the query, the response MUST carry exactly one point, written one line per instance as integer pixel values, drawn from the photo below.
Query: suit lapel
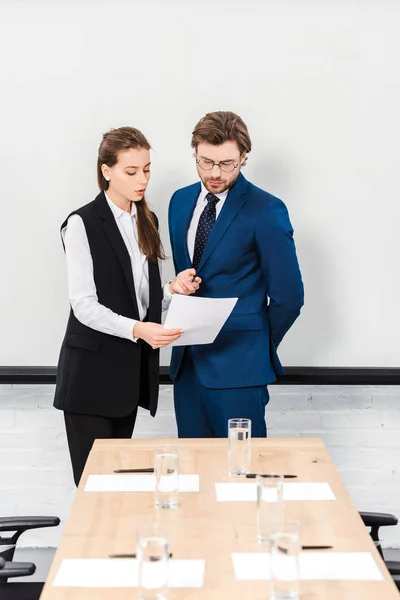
(182, 221)
(233, 203)
(114, 236)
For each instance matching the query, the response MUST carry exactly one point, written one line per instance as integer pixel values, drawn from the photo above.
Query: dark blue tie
(206, 223)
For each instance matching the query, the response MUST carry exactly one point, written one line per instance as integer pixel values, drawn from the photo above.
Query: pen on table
(127, 555)
(147, 470)
(317, 547)
(286, 551)
(254, 475)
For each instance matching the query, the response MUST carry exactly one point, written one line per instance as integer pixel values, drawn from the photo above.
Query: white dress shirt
(81, 285)
(200, 206)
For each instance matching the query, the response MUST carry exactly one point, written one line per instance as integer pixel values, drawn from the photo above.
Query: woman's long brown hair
(113, 142)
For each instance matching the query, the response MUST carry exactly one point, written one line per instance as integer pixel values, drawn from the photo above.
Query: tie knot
(211, 199)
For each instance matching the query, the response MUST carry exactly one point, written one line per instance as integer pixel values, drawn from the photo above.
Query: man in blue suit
(240, 241)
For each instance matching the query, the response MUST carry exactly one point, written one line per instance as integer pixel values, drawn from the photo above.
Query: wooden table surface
(106, 522)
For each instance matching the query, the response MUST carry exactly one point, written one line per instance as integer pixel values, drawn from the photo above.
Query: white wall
(319, 87)
(359, 425)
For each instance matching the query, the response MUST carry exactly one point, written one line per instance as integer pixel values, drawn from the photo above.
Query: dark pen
(254, 475)
(149, 470)
(286, 551)
(152, 558)
(317, 547)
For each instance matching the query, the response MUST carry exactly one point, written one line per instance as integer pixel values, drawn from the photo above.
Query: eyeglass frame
(214, 164)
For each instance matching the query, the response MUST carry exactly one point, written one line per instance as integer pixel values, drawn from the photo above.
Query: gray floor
(42, 557)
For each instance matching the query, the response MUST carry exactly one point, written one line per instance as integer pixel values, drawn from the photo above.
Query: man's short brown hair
(222, 126)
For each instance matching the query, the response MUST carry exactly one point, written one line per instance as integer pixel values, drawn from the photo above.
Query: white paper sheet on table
(122, 572)
(136, 483)
(247, 492)
(317, 566)
(200, 318)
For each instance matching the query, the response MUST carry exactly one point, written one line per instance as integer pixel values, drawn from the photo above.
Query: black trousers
(82, 430)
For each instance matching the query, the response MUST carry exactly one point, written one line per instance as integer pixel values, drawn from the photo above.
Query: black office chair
(16, 526)
(18, 591)
(15, 569)
(374, 521)
(19, 525)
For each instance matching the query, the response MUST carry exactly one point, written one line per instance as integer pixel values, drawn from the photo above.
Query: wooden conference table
(102, 523)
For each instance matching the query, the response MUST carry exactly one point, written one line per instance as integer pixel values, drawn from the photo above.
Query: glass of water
(239, 434)
(166, 471)
(269, 505)
(152, 551)
(284, 561)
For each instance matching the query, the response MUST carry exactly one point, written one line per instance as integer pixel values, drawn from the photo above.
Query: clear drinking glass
(152, 552)
(166, 471)
(284, 562)
(269, 505)
(239, 434)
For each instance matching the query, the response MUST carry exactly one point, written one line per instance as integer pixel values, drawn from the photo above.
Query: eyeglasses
(226, 165)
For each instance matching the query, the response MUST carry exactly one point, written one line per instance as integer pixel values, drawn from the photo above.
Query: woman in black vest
(109, 358)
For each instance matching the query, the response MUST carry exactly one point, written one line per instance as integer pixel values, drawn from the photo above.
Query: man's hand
(156, 335)
(185, 283)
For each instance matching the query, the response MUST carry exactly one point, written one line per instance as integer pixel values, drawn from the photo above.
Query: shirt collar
(117, 211)
(204, 193)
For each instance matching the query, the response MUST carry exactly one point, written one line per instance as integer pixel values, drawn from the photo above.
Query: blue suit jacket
(250, 254)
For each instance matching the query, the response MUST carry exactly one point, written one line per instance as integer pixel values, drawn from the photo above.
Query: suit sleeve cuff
(125, 328)
(167, 294)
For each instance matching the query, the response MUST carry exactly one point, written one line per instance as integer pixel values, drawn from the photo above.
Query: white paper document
(123, 572)
(309, 490)
(136, 483)
(247, 492)
(317, 566)
(200, 318)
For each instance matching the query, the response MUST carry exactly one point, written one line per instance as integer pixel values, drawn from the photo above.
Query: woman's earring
(106, 177)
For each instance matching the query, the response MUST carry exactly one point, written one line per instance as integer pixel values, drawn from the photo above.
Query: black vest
(101, 374)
